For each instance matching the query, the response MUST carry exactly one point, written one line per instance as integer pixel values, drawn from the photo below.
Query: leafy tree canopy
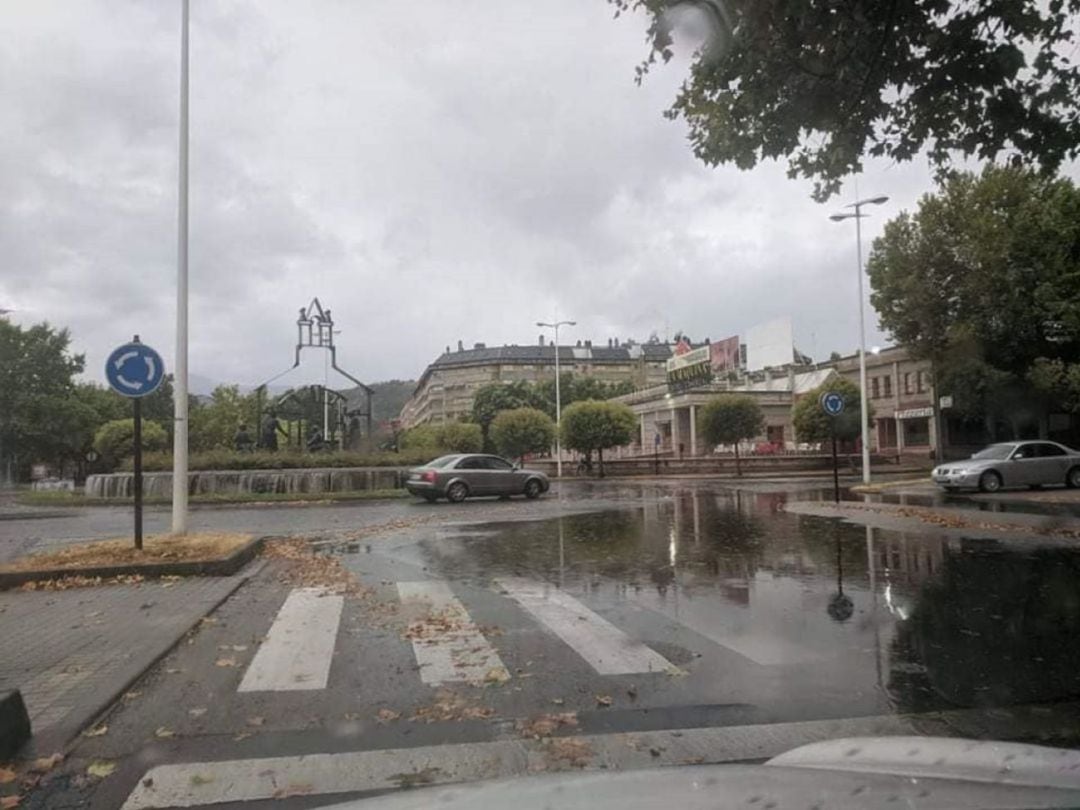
(40, 418)
(592, 425)
(116, 440)
(812, 424)
(822, 83)
(522, 430)
(983, 279)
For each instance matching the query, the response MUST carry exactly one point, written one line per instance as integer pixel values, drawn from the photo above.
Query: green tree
(116, 440)
(522, 430)
(213, 425)
(460, 437)
(823, 84)
(38, 412)
(453, 437)
(495, 397)
(812, 424)
(592, 425)
(730, 419)
(984, 281)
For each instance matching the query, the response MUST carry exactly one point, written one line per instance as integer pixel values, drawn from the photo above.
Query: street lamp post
(558, 393)
(180, 370)
(863, 410)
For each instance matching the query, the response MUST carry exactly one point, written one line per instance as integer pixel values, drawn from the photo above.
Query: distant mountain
(389, 397)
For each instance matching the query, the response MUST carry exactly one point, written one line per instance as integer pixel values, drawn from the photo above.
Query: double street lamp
(857, 214)
(558, 394)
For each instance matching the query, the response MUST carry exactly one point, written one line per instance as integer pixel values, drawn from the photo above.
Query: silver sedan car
(1012, 464)
(458, 477)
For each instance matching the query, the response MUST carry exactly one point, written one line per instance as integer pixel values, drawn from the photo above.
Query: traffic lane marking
(447, 643)
(604, 646)
(299, 648)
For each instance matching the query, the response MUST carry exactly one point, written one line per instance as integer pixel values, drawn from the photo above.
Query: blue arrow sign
(134, 370)
(832, 403)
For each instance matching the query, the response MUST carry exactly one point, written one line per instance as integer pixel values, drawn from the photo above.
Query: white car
(1012, 464)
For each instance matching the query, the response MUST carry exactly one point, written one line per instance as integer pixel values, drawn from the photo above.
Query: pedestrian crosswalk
(298, 649)
(447, 644)
(605, 647)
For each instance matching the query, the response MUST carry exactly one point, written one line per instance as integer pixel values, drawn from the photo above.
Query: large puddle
(879, 620)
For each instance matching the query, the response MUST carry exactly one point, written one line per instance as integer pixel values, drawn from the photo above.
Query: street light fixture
(558, 395)
(858, 215)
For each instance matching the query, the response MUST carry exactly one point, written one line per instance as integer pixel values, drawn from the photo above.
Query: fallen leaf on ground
(233, 647)
(575, 753)
(101, 768)
(243, 735)
(97, 732)
(603, 700)
(163, 733)
(386, 715)
(675, 672)
(256, 720)
(197, 712)
(208, 620)
(225, 662)
(545, 724)
(496, 675)
(198, 779)
(293, 790)
(6, 775)
(173, 670)
(9, 802)
(44, 764)
(558, 701)
(133, 694)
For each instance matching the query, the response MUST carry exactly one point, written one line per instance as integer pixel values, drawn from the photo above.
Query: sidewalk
(72, 653)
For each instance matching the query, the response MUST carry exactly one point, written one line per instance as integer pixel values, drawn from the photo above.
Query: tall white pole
(558, 410)
(180, 370)
(863, 411)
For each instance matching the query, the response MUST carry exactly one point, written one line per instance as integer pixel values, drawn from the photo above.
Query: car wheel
(989, 482)
(457, 492)
(1072, 479)
(532, 489)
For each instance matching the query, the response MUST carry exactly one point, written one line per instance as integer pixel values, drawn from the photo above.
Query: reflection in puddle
(803, 608)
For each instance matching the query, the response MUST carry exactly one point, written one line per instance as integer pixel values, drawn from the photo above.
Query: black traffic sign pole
(137, 410)
(835, 464)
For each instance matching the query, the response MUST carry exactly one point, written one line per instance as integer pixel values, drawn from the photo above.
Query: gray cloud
(431, 171)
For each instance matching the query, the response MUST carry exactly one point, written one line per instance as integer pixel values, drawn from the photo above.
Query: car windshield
(391, 390)
(995, 451)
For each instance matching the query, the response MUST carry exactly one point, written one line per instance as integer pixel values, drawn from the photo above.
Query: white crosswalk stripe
(608, 649)
(446, 642)
(299, 648)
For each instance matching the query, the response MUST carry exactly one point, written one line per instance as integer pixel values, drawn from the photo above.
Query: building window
(875, 388)
(907, 382)
(888, 385)
(922, 381)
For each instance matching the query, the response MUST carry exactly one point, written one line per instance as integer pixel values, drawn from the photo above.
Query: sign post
(133, 371)
(832, 404)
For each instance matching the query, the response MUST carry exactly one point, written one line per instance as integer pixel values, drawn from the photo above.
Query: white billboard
(770, 344)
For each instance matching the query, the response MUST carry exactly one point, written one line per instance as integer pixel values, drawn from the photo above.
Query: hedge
(232, 460)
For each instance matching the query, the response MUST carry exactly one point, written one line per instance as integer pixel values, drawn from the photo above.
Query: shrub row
(232, 460)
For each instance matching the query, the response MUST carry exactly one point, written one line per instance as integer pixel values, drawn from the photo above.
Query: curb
(14, 724)
(212, 568)
(71, 733)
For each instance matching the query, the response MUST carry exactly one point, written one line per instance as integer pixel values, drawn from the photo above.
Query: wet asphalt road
(756, 615)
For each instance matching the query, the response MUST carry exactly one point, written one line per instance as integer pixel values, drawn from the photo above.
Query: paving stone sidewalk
(73, 652)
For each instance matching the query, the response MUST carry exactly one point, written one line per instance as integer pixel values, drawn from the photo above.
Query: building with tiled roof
(446, 389)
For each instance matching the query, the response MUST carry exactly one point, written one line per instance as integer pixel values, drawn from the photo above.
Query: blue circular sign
(134, 370)
(832, 403)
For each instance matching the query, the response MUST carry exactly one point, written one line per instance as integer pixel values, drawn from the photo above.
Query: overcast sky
(432, 171)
